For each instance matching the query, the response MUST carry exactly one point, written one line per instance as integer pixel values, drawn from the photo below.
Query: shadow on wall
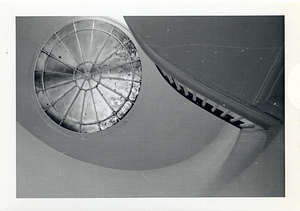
(162, 130)
(167, 147)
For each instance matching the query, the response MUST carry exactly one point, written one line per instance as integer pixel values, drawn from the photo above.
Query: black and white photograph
(154, 106)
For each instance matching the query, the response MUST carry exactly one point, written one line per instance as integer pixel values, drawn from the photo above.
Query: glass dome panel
(87, 75)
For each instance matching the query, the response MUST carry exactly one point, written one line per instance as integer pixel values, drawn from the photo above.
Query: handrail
(208, 105)
(248, 112)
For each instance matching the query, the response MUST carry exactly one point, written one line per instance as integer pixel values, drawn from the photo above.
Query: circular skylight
(88, 75)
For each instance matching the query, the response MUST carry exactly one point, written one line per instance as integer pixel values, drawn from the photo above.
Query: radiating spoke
(123, 44)
(67, 49)
(118, 78)
(60, 84)
(57, 59)
(95, 80)
(99, 66)
(105, 101)
(79, 72)
(81, 115)
(59, 73)
(92, 39)
(112, 90)
(60, 98)
(79, 45)
(93, 101)
(69, 108)
(116, 92)
(103, 45)
(94, 74)
(113, 67)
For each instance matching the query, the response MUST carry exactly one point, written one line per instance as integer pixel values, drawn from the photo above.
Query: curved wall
(168, 146)
(162, 130)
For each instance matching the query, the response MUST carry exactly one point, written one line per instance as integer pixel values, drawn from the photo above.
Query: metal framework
(87, 75)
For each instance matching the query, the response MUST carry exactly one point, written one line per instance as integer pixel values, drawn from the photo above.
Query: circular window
(87, 75)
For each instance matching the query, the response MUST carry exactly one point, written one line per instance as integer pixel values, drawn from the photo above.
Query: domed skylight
(88, 75)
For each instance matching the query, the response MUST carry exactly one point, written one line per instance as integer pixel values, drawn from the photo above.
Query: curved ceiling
(162, 129)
